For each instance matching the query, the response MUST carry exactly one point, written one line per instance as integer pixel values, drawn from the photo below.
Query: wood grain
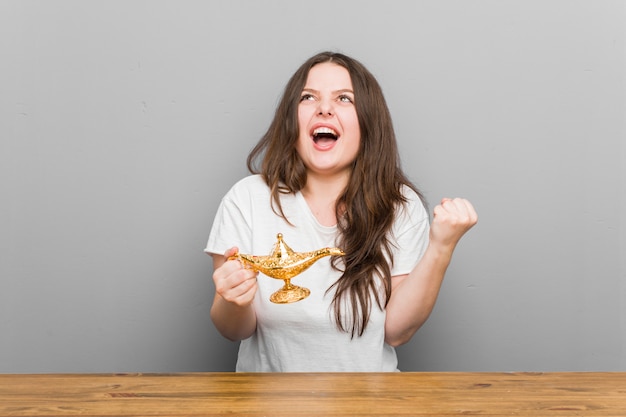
(319, 394)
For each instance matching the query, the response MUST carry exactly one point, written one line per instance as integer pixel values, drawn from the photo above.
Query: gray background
(123, 123)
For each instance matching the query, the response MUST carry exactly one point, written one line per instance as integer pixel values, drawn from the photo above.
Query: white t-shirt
(303, 336)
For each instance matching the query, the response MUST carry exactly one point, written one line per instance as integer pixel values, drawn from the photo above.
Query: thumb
(230, 252)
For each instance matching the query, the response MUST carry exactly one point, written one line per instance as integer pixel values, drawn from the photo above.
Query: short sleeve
(232, 225)
(410, 234)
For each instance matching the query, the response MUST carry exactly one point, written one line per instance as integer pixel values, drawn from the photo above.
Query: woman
(330, 176)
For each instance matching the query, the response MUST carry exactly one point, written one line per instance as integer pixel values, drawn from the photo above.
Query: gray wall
(122, 123)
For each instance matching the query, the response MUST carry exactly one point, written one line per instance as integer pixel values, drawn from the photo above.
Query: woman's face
(329, 136)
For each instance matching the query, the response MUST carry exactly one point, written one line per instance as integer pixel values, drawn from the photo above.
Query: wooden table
(317, 394)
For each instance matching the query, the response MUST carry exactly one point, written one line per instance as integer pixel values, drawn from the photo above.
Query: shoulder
(252, 185)
(412, 212)
(250, 182)
(414, 202)
(409, 231)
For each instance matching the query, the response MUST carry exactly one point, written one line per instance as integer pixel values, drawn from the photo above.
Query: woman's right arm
(235, 286)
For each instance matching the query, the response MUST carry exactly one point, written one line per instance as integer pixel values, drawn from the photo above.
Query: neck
(325, 187)
(321, 194)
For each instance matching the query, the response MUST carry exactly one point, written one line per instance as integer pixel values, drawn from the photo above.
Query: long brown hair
(366, 208)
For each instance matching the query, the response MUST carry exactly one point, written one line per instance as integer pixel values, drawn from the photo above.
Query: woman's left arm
(413, 295)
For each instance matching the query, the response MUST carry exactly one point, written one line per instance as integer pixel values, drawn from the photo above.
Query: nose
(325, 108)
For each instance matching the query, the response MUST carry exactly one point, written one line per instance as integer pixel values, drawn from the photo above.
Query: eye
(307, 97)
(345, 99)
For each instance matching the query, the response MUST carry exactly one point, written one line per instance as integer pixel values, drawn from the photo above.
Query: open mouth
(324, 136)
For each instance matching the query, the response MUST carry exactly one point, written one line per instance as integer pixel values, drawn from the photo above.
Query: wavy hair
(374, 189)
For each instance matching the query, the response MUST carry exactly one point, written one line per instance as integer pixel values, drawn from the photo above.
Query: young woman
(327, 174)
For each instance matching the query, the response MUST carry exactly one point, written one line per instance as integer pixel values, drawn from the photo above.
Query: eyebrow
(343, 90)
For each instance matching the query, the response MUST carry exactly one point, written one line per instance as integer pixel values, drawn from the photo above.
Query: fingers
(234, 282)
(458, 210)
(453, 217)
(239, 288)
